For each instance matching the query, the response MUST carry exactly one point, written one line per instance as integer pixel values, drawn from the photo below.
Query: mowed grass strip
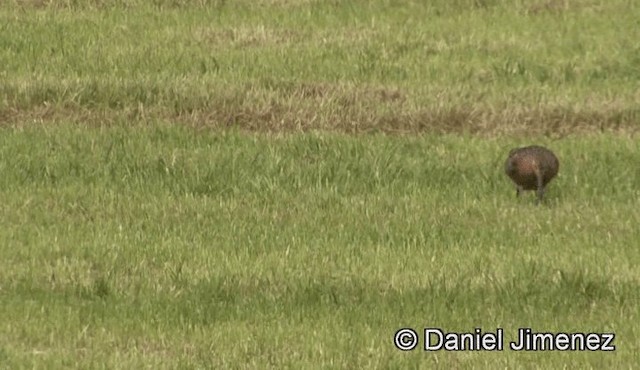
(547, 67)
(161, 246)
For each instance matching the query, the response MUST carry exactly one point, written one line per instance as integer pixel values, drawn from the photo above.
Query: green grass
(541, 67)
(179, 189)
(162, 246)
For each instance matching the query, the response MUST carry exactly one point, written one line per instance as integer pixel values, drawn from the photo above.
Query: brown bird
(531, 168)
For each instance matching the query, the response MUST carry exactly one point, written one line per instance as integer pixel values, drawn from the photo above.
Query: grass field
(551, 67)
(285, 184)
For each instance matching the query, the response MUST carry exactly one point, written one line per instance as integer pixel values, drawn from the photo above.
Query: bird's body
(531, 168)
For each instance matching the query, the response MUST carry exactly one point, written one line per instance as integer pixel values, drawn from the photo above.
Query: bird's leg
(518, 191)
(540, 188)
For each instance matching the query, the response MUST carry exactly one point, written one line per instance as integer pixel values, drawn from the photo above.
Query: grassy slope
(161, 246)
